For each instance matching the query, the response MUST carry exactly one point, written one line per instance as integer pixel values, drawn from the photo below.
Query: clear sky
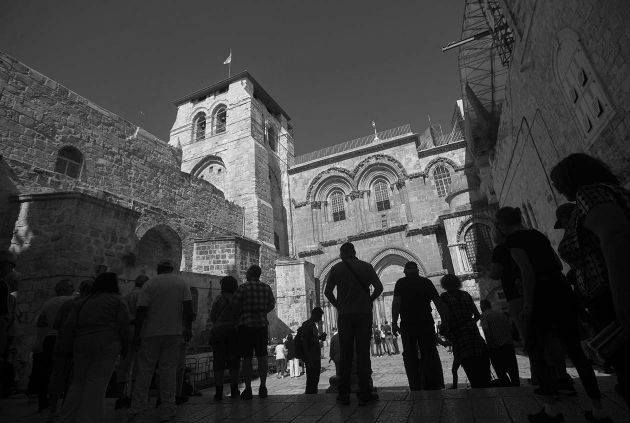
(334, 66)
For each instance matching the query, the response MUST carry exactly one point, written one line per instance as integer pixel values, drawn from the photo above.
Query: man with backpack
(308, 349)
(352, 278)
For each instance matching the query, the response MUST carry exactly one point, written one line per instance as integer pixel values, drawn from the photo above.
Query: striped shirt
(497, 328)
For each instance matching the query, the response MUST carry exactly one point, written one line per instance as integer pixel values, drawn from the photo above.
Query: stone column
(315, 209)
(404, 196)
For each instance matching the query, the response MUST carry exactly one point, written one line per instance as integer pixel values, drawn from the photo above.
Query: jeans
(354, 333)
(313, 369)
(294, 367)
(542, 340)
(477, 370)
(42, 369)
(424, 372)
(92, 370)
(164, 349)
(503, 360)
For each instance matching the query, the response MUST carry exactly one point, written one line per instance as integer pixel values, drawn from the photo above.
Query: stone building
(542, 80)
(398, 196)
(85, 190)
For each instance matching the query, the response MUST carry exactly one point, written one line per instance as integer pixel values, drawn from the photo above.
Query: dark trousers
(354, 333)
(395, 343)
(42, 369)
(569, 338)
(313, 369)
(503, 360)
(477, 370)
(424, 372)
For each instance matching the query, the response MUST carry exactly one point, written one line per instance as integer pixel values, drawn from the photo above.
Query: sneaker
(343, 399)
(262, 392)
(542, 417)
(367, 398)
(247, 394)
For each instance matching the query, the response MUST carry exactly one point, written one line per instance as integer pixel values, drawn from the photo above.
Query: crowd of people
(83, 337)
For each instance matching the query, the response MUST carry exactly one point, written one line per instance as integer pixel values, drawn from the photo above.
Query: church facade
(84, 190)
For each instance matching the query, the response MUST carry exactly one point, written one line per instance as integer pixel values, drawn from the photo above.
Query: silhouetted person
(164, 316)
(378, 341)
(353, 278)
(550, 311)
(254, 299)
(596, 245)
(469, 348)
(62, 353)
(100, 324)
(310, 338)
(292, 362)
(126, 368)
(412, 302)
(497, 328)
(388, 342)
(224, 338)
(8, 262)
(45, 342)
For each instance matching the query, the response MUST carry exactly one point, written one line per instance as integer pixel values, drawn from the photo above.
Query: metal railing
(355, 143)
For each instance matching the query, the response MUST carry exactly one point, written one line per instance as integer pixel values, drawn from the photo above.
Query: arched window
(337, 206)
(199, 126)
(478, 245)
(69, 162)
(381, 193)
(219, 119)
(442, 179)
(272, 137)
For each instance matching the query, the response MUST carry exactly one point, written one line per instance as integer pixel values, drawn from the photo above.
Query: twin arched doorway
(389, 265)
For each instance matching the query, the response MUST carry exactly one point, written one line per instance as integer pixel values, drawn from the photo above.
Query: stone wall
(122, 163)
(296, 292)
(539, 122)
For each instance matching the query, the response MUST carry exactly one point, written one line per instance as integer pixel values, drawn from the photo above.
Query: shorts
(252, 340)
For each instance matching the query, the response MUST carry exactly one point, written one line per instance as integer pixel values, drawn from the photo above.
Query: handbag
(605, 344)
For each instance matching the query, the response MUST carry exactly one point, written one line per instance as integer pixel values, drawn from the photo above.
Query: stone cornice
(441, 149)
(370, 148)
(424, 230)
(103, 200)
(309, 253)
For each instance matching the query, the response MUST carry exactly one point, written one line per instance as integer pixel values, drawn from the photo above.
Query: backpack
(299, 348)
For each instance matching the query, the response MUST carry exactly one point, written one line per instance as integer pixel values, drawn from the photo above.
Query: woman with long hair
(224, 338)
(99, 325)
(596, 244)
(469, 348)
(550, 314)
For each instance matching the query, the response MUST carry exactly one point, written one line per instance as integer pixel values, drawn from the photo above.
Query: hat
(166, 263)
(411, 265)
(562, 212)
(7, 256)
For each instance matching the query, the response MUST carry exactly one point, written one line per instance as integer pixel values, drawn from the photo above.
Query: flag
(229, 59)
(373, 124)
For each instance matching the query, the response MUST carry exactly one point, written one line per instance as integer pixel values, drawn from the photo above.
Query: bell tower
(234, 135)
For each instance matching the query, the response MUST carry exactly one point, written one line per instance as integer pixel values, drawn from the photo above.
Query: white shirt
(280, 352)
(164, 296)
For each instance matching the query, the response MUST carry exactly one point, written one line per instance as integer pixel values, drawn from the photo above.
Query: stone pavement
(286, 402)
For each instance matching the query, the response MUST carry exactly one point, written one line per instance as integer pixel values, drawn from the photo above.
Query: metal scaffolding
(483, 60)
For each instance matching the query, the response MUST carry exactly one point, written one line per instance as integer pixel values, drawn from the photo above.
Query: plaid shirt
(254, 299)
(580, 247)
(463, 331)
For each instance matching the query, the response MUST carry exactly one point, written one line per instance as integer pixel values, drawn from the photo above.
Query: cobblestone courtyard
(286, 402)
